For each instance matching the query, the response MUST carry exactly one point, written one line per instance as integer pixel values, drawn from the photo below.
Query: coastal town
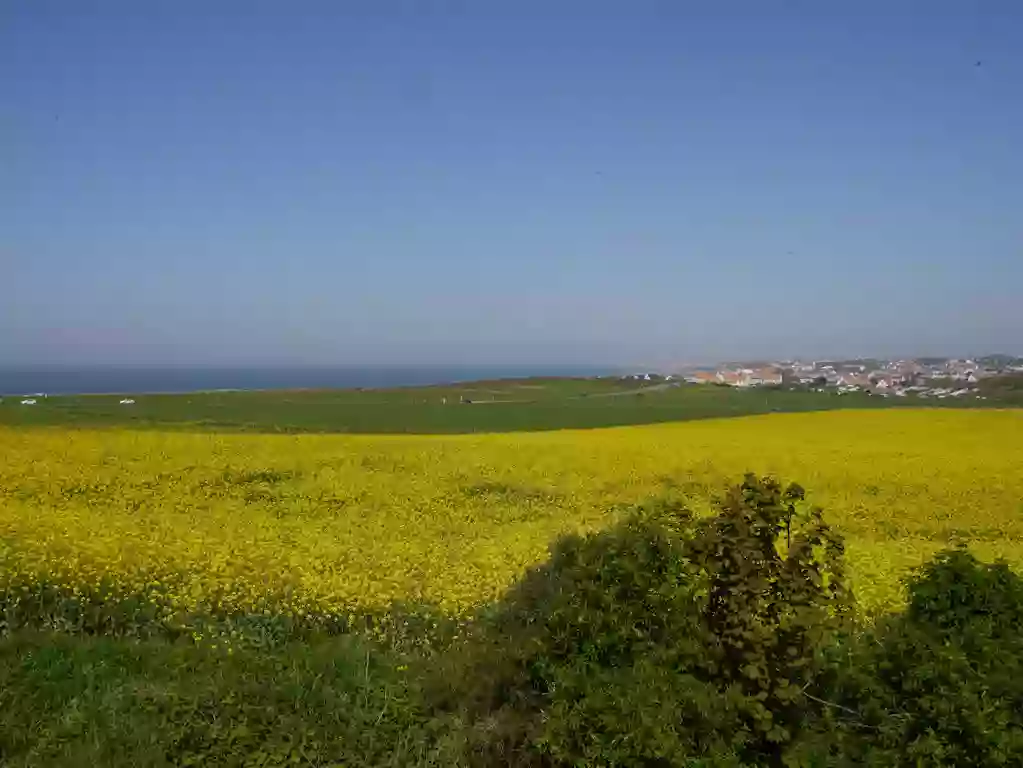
(921, 377)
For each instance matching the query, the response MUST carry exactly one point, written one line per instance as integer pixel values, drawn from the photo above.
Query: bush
(729, 641)
(662, 641)
(777, 601)
(601, 603)
(941, 684)
(975, 604)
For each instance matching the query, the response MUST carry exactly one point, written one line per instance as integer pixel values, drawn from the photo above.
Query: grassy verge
(80, 700)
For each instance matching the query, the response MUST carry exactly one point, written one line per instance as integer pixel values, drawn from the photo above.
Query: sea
(55, 380)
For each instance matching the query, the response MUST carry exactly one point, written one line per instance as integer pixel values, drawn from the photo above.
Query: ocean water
(139, 380)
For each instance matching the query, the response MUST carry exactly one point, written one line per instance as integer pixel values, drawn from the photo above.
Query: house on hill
(734, 378)
(703, 377)
(765, 377)
(854, 381)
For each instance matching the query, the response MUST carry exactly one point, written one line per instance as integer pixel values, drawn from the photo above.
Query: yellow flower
(318, 526)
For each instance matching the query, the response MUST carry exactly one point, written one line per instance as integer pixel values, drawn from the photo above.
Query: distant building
(854, 381)
(734, 378)
(703, 377)
(765, 377)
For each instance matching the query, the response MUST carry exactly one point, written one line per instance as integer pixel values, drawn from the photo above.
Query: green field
(494, 406)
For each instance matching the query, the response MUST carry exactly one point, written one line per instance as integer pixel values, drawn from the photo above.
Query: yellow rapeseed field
(341, 524)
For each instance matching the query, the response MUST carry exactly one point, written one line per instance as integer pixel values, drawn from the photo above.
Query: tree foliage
(731, 641)
(664, 639)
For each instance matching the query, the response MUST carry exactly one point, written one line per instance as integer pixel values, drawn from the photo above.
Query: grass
(496, 406)
(104, 701)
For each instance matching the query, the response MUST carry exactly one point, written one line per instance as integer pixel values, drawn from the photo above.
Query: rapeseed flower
(321, 527)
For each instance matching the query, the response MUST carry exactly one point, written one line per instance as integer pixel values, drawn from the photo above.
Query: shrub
(942, 683)
(601, 603)
(662, 641)
(975, 604)
(777, 600)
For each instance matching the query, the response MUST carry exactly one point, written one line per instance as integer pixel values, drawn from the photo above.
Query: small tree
(777, 595)
(661, 641)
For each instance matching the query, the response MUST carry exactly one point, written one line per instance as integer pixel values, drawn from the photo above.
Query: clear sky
(374, 181)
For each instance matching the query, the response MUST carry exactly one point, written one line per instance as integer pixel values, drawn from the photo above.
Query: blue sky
(508, 182)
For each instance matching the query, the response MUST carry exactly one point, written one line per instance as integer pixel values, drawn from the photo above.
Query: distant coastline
(120, 380)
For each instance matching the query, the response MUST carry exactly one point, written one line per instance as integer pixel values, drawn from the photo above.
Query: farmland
(511, 405)
(188, 596)
(323, 524)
